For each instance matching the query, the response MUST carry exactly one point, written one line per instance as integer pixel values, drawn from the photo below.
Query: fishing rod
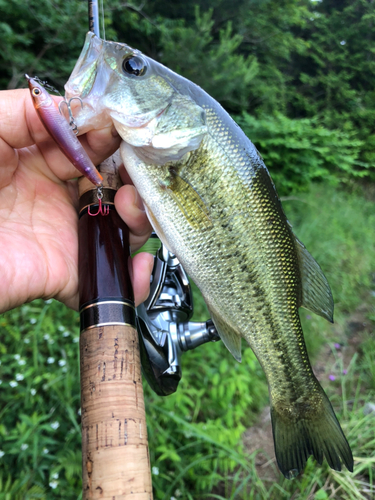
(115, 456)
(163, 320)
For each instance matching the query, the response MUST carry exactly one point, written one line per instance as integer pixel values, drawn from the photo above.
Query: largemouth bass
(212, 202)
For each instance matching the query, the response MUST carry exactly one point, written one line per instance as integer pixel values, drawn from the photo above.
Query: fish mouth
(138, 121)
(137, 130)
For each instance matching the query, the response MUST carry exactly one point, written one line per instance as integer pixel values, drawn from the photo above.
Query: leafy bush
(298, 152)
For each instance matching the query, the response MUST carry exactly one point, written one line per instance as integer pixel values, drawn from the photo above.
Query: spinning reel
(164, 327)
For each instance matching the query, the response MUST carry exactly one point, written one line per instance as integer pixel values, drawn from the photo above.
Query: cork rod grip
(115, 457)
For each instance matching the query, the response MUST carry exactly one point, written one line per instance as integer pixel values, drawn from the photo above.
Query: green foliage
(41, 37)
(205, 61)
(195, 434)
(298, 152)
(306, 99)
(40, 431)
(197, 431)
(338, 228)
(300, 71)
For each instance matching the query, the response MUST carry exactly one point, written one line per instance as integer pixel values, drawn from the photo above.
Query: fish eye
(36, 91)
(134, 65)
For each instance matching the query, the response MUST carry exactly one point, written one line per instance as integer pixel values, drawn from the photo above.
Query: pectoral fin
(228, 335)
(316, 292)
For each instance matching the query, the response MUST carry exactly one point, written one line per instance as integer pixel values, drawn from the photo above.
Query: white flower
(2, 453)
(66, 333)
(45, 451)
(22, 362)
(61, 328)
(13, 383)
(76, 339)
(46, 336)
(33, 392)
(155, 471)
(19, 377)
(55, 425)
(48, 301)
(343, 42)
(55, 475)
(26, 340)
(50, 360)
(33, 321)
(173, 498)
(53, 484)
(79, 411)
(24, 446)
(62, 362)
(17, 357)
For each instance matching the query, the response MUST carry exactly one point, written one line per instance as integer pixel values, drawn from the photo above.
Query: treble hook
(103, 209)
(72, 122)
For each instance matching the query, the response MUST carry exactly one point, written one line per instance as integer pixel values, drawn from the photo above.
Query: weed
(195, 435)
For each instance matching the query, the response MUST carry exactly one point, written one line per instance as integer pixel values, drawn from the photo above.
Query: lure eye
(36, 91)
(134, 65)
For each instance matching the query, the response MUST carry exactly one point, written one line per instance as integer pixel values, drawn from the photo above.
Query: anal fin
(316, 292)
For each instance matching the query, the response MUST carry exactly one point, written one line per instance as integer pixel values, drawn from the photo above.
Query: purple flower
(332, 378)
(344, 372)
(337, 346)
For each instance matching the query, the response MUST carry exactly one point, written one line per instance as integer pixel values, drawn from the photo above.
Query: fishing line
(94, 17)
(102, 13)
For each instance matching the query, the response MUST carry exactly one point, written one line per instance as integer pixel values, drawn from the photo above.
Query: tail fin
(313, 433)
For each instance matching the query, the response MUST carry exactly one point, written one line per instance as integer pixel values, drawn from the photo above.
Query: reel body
(164, 327)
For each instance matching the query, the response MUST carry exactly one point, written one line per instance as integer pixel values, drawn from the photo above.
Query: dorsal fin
(231, 339)
(316, 292)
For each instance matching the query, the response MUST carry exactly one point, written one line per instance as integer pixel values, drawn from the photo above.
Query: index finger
(20, 126)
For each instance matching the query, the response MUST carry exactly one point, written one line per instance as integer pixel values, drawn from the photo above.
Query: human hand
(38, 209)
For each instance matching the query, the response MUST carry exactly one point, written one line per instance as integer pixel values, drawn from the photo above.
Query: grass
(195, 435)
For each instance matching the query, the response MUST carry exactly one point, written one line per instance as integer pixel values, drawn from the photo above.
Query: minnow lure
(60, 130)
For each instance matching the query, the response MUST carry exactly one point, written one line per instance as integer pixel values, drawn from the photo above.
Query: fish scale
(212, 202)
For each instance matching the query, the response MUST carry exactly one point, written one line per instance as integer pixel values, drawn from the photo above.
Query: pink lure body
(60, 130)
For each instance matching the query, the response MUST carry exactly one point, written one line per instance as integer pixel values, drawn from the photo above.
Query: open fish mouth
(99, 67)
